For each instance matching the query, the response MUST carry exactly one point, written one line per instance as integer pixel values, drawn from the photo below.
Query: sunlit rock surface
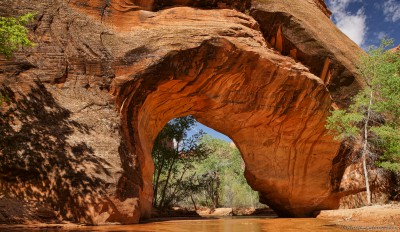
(300, 29)
(86, 103)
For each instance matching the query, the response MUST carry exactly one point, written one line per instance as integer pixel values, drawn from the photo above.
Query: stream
(224, 224)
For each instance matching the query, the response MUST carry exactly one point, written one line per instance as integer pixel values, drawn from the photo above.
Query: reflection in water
(227, 224)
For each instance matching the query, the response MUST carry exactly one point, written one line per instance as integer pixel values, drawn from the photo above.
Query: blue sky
(211, 132)
(366, 22)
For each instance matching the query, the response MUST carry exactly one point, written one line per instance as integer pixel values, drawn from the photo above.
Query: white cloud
(353, 25)
(391, 9)
(381, 35)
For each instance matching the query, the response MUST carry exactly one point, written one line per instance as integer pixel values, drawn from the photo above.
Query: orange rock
(396, 49)
(322, 6)
(302, 25)
(240, 5)
(227, 78)
(106, 76)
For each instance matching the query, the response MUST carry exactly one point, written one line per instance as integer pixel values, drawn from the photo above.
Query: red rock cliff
(87, 102)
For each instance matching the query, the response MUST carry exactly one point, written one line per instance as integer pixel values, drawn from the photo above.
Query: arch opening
(272, 107)
(194, 169)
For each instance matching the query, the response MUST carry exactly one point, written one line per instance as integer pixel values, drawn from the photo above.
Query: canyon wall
(87, 101)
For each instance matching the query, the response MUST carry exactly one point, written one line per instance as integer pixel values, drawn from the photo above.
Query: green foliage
(198, 170)
(343, 124)
(381, 71)
(388, 138)
(226, 160)
(13, 33)
(3, 99)
(376, 109)
(174, 154)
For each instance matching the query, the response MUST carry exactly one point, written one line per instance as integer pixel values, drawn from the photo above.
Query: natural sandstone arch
(273, 109)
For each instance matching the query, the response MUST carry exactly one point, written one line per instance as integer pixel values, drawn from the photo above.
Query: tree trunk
(161, 203)
(216, 193)
(365, 150)
(156, 182)
(194, 203)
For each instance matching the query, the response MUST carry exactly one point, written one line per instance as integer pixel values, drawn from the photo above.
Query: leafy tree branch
(374, 115)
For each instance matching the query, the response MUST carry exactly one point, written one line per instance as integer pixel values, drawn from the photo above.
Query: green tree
(174, 154)
(229, 185)
(13, 34)
(375, 112)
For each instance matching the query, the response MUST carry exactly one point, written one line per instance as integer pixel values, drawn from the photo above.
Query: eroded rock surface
(87, 102)
(240, 5)
(301, 30)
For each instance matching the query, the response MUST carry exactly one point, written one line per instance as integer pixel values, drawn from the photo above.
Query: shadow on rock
(39, 164)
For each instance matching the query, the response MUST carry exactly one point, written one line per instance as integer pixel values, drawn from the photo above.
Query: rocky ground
(19, 212)
(180, 212)
(369, 217)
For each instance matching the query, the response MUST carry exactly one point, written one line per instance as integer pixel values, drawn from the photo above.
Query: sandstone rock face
(300, 30)
(322, 6)
(87, 102)
(240, 5)
(396, 49)
(59, 133)
(352, 185)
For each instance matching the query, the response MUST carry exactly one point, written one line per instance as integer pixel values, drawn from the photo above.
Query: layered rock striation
(86, 103)
(299, 29)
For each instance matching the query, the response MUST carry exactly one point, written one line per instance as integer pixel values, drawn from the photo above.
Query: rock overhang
(159, 64)
(242, 92)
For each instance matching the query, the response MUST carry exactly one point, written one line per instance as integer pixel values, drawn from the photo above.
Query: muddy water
(229, 224)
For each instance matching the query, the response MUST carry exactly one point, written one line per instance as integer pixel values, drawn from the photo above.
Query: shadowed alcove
(271, 107)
